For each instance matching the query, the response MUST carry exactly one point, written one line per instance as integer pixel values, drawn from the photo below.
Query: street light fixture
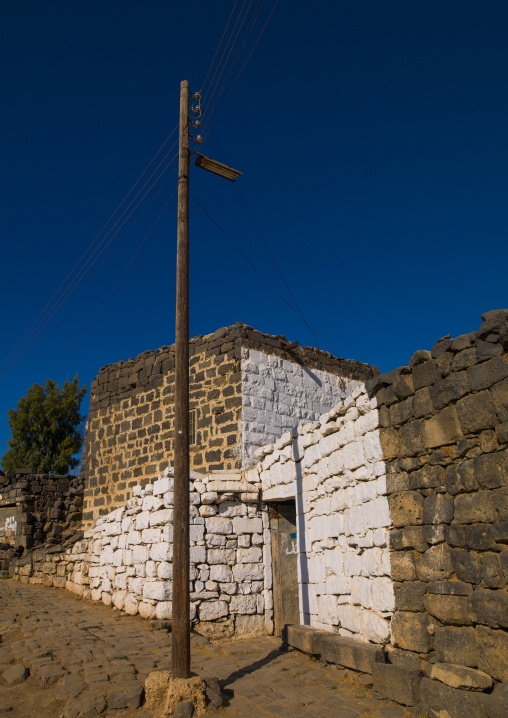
(217, 168)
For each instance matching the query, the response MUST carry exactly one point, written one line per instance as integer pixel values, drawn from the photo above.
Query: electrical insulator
(197, 123)
(196, 96)
(197, 109)
(198, 139)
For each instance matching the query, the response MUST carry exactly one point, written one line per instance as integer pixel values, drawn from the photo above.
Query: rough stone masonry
(246, 390)
(401, 493)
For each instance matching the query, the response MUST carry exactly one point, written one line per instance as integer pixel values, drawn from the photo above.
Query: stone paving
(79, 659)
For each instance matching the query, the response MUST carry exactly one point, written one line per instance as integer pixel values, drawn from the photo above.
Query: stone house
(246, 390)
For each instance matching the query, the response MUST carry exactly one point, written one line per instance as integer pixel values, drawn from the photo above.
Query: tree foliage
(47, 428)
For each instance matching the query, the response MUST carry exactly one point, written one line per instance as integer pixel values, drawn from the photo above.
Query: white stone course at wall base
(331, 466)
(125, 560)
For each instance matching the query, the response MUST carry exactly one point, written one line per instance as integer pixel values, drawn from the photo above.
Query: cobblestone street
(60, 656)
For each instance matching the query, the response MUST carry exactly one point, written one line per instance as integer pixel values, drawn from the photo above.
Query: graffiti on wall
(8, 524)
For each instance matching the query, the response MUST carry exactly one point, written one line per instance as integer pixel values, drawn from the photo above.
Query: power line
(233, 43)
(140, 246)
(76, 281)
(267, 281)
(261, 236)
(40, 316)
(233, 65)
(243, 66)
(225, 48)
(218, 46)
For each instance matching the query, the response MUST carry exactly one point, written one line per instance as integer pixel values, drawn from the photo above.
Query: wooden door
(284, 564)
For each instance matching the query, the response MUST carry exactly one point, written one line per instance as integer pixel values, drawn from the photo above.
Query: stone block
(351, 653)
(461, 477)
(476, 412)
(406, 508)
(500, 532)
(243, 604)
(487, 350)
(402, 565)
(212, 610)
(497, 701)
(411, 439)
(483, 376)
(252, 625)
(158, 590)
(461, 677)
(15, 674)
(409, 596)
(388, 443)
(490, 470)
(494, 322)
(464, 359)
(161, 518)
(249, 555)
(374, 627)
(428, 477)
(422, 404)
(353, 455)
(383, 598)
(425, 374)
(434, 534)
(437, 509)
(500, 396)
(450, 588)
(477, 507)
(449, 389)
(403, 386)
(412, 537)
(435, 564)
(219, 525)
(130, 696)
(396, 683)
(221, 556)
(419, 357)
(247, 526)
(437, 700)
(493, 574)
(467, 566)
(489, 607)
(305, 638)
(448, 609)
(161, 551)
(410, 631)
(248, 572)
(442, 429)
(492, 652)
(456, 645)
(221, 573)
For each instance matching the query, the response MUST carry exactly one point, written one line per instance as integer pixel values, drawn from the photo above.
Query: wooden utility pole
(180, 646)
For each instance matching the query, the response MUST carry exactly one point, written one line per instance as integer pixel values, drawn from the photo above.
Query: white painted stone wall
(279, 395)
(126, 558)
(334, 469)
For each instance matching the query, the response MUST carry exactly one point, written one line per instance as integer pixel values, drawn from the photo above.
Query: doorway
(284, 564)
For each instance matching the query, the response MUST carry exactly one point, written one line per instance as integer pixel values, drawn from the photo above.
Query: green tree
(47, 428)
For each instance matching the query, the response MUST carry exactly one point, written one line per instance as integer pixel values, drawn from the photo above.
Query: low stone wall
(126, 558)
(444, 436)
(46, 506)
(402, 510)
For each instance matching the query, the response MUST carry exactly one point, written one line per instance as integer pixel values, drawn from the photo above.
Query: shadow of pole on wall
(303, 568)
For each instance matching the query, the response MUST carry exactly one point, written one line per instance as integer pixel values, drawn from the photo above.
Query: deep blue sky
(373, 141)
